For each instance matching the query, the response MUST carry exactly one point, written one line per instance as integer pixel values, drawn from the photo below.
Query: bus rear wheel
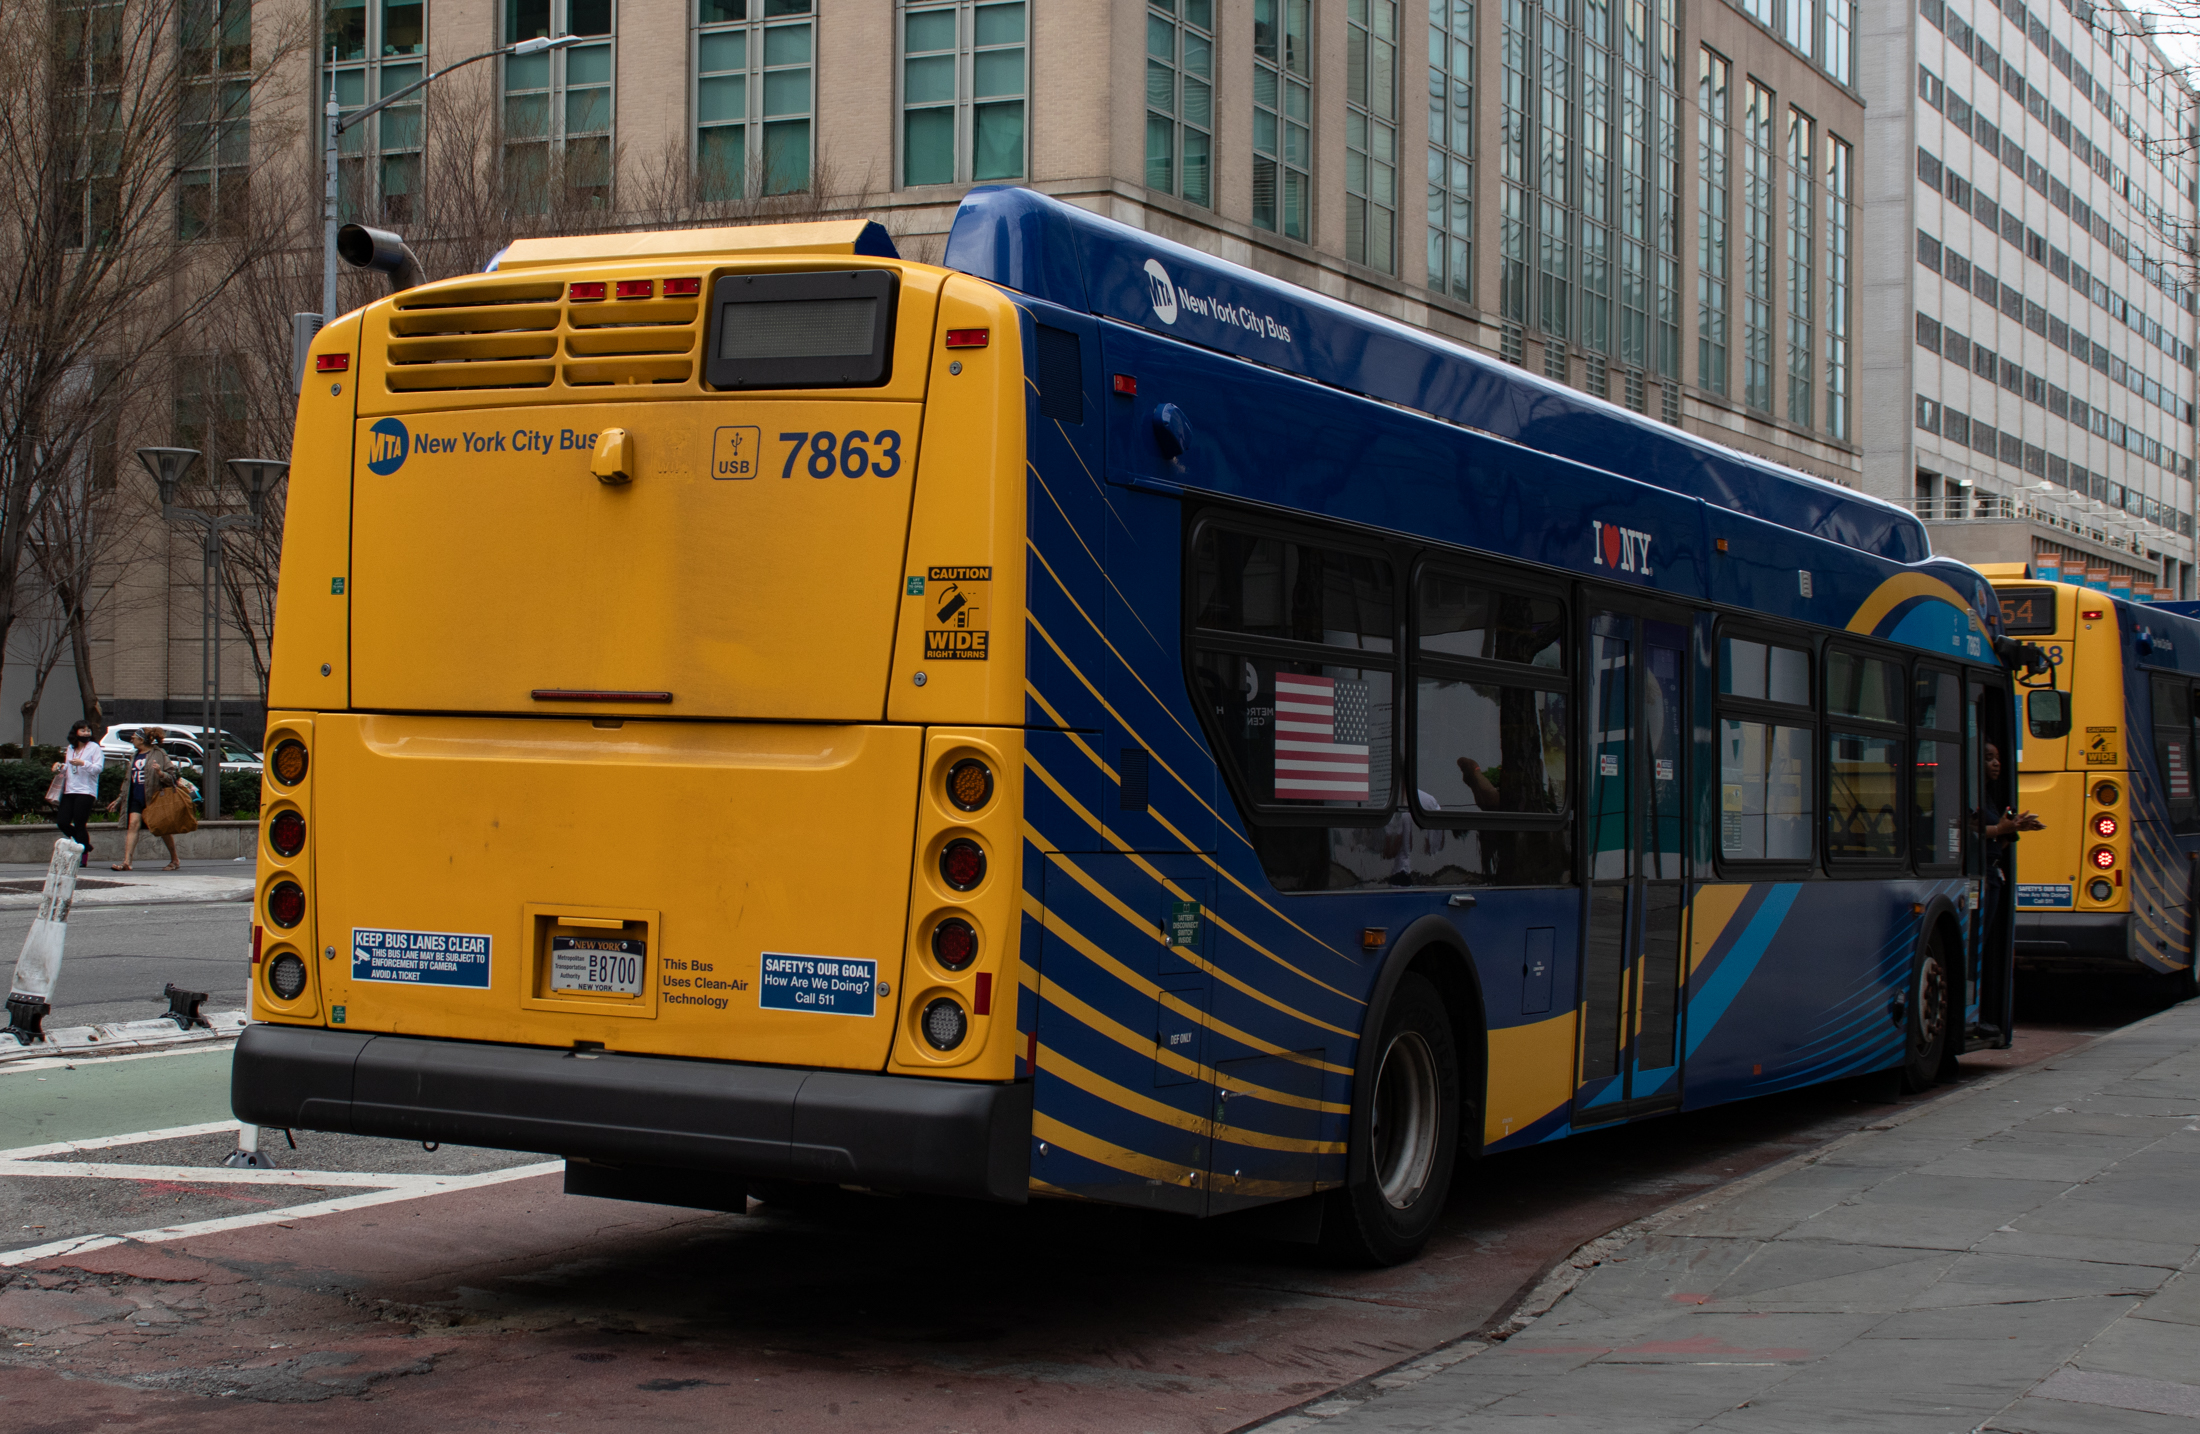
(1405, 1135)
(1926, 1023)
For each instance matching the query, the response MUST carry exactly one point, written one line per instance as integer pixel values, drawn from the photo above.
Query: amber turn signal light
(969, 784)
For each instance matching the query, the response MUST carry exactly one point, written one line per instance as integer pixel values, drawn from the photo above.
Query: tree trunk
(80, 651)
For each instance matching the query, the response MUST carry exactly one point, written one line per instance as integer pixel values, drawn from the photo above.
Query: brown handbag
(169, 814)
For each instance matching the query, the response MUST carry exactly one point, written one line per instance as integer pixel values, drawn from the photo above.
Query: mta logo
(387, 445)
(1161, 290)
(1620, 548)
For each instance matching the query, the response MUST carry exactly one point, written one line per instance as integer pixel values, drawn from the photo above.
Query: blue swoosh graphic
(1726, 983)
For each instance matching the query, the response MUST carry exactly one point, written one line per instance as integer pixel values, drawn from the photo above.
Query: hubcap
(1932, 1002)
(1406, 1119)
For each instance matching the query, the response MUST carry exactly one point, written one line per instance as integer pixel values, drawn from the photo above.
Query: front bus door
(1631, 946)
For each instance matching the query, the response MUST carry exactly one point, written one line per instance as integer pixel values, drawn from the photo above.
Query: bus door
(1631, 944)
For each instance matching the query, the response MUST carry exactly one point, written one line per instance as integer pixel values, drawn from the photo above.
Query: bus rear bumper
(901, 1133)
(2075, 940)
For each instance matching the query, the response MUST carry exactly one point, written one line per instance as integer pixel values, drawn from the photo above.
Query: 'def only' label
(827, 985)
(420, 958)
(958, 603)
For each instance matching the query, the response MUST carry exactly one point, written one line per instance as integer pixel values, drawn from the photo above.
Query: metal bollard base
(247, 1155)
(26, 1017)
(183, 1007)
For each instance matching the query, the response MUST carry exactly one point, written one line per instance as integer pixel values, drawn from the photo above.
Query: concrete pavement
(2018, 1256)
(146, 885)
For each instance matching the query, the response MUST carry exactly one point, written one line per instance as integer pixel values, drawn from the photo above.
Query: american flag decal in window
(1321, 739)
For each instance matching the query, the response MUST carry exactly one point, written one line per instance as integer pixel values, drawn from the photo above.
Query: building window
(1451, 148)
(753, 97)
(1839, 251)
(210, 407)
(1802, 191)
(1837, 53)
(557, 106)
(1797, 17)
(1371, 133)
(1180, 99)
(1556, 158)
(369, 49)
(1757, 248)
(1665, 194)
(214, 130)
(1283, 107)
(1711, 197)
(1512, 273)
(88, 87)
(962, 96)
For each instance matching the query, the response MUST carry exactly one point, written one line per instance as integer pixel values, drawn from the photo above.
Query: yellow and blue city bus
(2108, 752)
(1085, 720)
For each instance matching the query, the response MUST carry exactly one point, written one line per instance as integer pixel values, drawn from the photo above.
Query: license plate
(597, 965)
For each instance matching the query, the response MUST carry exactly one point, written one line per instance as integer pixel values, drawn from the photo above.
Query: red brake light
(2091, 614)
(286, 904)
(287, 833)
(637, 288)
(2103, 857)
(968, 338)
(683, 288)
(954, 943)
(2104, 825)
(331, 363)
(583, 292)
(962, 863)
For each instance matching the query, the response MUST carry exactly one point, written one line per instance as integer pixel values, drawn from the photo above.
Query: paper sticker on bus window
(420, 958)
(958, 606)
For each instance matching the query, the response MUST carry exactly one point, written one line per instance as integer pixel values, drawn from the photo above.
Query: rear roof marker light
(969, 338)
(683, 288)
(1126, 383)
(331, 363)
(637, 288)
(585, 291)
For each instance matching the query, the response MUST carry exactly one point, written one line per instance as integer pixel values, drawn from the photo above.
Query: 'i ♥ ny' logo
(1620, 548)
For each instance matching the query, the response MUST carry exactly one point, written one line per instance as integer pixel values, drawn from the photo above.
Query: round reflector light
(289, 762)
(2099, 890)
(2103, 857)
(945, 1025)
(286, 832)
(962, 863)
(969, 784)
(2106, 793)
(2104, 825)
(954, 943)
(286, 904)
(286, 976)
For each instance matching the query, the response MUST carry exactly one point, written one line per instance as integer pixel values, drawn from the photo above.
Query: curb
(1569, 1270)
(141, 894)
(117, 1038)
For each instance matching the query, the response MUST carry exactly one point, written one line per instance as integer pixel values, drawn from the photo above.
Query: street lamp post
(168, 467)
(338, 122)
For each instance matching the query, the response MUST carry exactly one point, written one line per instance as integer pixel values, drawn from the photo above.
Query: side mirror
(2047, 713)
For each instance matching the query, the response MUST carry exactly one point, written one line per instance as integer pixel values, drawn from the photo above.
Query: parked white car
(182, 743)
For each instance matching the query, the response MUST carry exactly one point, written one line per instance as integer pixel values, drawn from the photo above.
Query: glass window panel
(526, 19)
(344, 29)
(400, 127)
(1198, 108)
(351, 89)
(1160, 153)
(1275, 588)
(1866, 687)
(1937, 802)
(1788, 677)
(588, 17)
(1301, 734)
(1198, 56)
(587, 111)
(1001, 72)
(787, 155)
(1662, 699)
(721, 162)
(928, 146)
(929, 81)
(1000, 24)
(588, 65)
(723, 97)
(1863, 797)
(1160, 87)
(773, 9)
(723, 50)
(526, 116)
(787, 45)
(1488, 748)
(1200, 13)
(395, 78)
(1741, 667)
(1939, 701)
(998, 141)
(527, 72)
(786, 92)
(1764, 791)
(929, 30)
(1198, 175)
(404, 27)
(1160, 38)
(718, 12)
(1465, 619)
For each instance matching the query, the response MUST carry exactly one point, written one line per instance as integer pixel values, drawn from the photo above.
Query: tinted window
(1939, 701)
(1764, 791)
(1302, 733)
(1863, 797)
(1459, 618)
(1867, 687)
(1482, 747)
(1764, 671)
(1272, 587)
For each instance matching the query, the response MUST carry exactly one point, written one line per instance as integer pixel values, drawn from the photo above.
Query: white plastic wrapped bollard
(30, 994)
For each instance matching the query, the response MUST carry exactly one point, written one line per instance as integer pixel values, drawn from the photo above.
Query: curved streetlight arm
(524, 47)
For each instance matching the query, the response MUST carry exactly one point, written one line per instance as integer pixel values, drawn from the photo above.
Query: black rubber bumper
(938, 1137)
(2095, 939)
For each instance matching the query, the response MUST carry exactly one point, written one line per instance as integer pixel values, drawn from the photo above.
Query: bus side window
(2173, 749)
(1864, 701)
(1936, 777)
(1767, 740)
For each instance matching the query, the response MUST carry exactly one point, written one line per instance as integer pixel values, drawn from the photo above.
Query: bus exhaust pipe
(365, 248)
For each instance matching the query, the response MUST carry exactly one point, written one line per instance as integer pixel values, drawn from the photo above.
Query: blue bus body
(1214, 1069)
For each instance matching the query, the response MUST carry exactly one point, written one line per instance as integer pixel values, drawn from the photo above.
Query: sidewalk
(148, 885)
(2019, 1256)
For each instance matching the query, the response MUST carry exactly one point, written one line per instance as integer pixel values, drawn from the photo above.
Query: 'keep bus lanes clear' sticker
(420, 958)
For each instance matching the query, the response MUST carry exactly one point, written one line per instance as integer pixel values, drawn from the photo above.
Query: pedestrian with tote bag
(151, 772)
(79, 768)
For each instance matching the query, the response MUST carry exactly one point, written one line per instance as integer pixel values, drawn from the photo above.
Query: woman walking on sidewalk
(151, 773)
(80, 767)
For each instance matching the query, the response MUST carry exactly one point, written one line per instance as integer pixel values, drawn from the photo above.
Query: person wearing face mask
(80, 766)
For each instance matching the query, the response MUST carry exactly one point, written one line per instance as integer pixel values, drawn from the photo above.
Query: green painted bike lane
(113, 1097)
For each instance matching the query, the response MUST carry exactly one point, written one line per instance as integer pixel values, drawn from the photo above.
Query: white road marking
(109, 1142)
(91, 1059)
(200, 1175)
(84, 1244)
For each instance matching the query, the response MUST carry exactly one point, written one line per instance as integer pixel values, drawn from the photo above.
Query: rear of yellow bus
(2074, 877)
(644, 773)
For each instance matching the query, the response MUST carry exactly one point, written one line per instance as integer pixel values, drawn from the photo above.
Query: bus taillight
(2107, 793)
(962, 863)
(287, 833)
(2104, 825)
(2100, 890)
(969, 784)
(945, 1025)
(286, 903)
(2103, 857)
(954, 943)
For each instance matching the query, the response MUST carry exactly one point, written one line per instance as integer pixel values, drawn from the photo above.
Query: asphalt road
(118, 958)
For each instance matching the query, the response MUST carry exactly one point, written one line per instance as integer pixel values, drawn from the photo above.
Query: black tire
(1926, 1022)
(1405, 1135)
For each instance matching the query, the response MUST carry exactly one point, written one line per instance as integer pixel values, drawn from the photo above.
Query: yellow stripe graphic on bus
(1102, 1152)
(1709, 913)
(1900, 589)
(1125, 1098)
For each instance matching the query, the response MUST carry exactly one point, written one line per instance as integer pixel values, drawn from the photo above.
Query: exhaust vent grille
(499, 333)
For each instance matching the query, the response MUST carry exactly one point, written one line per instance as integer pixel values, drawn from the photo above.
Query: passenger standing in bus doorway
(80, 767)
(2011, 821)
(151, 772)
